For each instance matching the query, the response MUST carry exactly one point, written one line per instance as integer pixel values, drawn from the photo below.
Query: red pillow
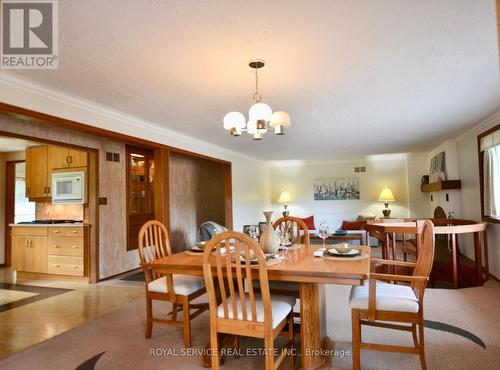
(352, 225)
(309, 221)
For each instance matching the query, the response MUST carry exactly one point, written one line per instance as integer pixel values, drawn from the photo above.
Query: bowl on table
(201, 245)
(343, 248)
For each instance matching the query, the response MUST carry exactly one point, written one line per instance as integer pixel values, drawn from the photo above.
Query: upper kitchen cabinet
(42, 160)
(37, 172)
(64, 157)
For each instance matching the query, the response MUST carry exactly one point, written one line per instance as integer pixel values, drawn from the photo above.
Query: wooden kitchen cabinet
(37, 172)
(53, 250)
(42, 160)
(64, 157)
(29, 253)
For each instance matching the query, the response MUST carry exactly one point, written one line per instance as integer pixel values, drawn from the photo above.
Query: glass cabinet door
(140, 191)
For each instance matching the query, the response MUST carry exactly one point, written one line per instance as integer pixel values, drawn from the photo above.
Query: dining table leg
(313, 336)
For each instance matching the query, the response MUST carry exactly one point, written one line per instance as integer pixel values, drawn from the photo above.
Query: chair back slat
(222, 287)
(297, 229)
(249, 281)
(230, 280)
(235, 273)
(240, 279)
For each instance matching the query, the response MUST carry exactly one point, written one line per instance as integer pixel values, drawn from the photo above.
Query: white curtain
(491, 177)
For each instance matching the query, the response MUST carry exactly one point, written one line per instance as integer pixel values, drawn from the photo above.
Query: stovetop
(34, 222)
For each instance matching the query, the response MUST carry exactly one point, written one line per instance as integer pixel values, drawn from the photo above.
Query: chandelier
(261, 118)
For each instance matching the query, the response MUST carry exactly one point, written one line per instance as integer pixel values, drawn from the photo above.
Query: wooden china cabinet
(140, 191)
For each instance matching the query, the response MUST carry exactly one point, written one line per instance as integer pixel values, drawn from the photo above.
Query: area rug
(116, 340)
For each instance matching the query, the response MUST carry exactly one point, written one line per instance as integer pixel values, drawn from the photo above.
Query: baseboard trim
(122, 274)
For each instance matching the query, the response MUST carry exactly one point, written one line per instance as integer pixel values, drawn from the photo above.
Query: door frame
(91, 209)
(10, 186)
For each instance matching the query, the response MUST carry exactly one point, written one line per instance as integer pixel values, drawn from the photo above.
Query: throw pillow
(309, 221)
(352, 225)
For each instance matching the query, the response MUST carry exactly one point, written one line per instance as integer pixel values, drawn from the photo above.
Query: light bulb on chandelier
(261, 118)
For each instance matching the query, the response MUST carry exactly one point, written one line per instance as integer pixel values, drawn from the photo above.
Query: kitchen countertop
(75, 224)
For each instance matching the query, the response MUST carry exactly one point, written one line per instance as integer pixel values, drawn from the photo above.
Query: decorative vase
(269, 239)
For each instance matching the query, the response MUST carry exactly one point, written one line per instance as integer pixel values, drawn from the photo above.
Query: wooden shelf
(441, 185)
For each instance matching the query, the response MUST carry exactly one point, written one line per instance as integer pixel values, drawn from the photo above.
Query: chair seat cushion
(390, 297)
(183, 284)
(281, 306)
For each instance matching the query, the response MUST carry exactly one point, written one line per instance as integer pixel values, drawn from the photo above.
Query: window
(489, 171)
(24, 210)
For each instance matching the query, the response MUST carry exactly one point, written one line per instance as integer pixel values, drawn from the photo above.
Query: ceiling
(357, 77)
(10, 144)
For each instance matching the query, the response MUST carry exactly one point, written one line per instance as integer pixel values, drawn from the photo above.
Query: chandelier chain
(257, 97)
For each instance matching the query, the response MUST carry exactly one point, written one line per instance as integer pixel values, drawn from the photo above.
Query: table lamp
(284, 199)
(386, 197)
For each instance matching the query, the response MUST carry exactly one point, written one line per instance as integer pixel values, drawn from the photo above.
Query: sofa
(335, 222)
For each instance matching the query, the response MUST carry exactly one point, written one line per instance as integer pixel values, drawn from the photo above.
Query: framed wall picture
(336, 188)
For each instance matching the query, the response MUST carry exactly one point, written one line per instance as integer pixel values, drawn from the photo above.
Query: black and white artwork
(437, 168)
(336, 189)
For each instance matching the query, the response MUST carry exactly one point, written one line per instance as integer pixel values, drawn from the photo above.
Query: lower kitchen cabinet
(53, 250)
(29, 252)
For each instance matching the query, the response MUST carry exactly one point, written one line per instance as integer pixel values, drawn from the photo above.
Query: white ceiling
(357, 77)
(10, 144)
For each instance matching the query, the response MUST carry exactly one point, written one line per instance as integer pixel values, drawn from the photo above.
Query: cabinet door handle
(70, 159)
(56, 246)
(56, 265)
(30, 243)
(74, 247)
(26, 243)
(56, 231)
(75, 266)
(74, 231)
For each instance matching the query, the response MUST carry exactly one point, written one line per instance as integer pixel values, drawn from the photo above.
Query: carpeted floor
(116, 340)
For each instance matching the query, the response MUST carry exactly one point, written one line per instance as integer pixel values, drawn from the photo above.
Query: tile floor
(25, 325)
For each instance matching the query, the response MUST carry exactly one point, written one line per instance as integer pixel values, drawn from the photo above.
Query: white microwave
(68, 188)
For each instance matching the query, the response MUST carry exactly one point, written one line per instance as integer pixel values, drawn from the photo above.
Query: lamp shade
(260, 111)
(234, 120)
(251, 126)
(280, 118)
(386, 196)
(285, 197)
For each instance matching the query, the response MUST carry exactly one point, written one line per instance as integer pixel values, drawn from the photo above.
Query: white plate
(352, 252)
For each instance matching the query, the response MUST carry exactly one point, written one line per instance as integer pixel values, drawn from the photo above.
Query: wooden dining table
(311, 273)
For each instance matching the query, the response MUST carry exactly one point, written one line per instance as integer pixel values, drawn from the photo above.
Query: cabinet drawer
(29, 230)
(66, 246)
(64, 265)
(66, 231)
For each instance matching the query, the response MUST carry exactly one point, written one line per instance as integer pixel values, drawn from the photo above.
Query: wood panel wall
(197, 194)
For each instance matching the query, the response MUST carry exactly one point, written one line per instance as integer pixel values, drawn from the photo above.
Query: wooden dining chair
(381, 304)
(244, 313)
(299, 233)
(180, 290)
